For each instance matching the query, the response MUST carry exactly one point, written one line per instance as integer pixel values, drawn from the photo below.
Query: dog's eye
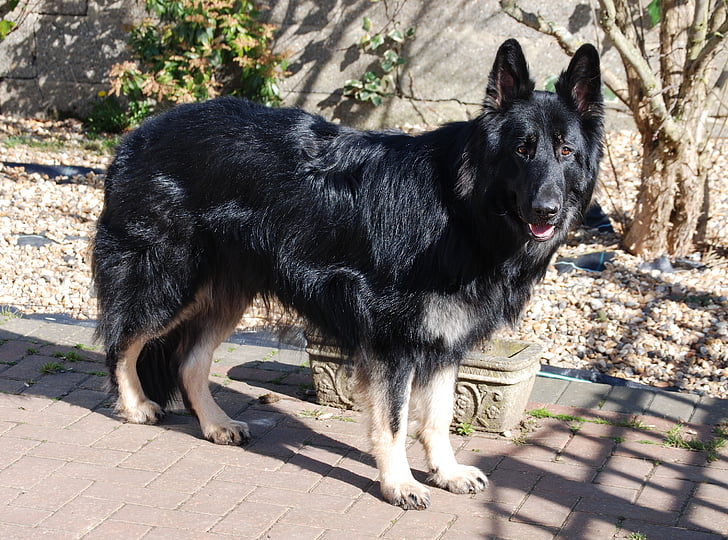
(521, 150)
(566, 150)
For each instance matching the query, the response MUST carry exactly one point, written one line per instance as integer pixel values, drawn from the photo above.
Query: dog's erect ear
(509, 79)
(581, 84)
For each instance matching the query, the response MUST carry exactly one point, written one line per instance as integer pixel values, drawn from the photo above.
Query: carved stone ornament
(493, 385)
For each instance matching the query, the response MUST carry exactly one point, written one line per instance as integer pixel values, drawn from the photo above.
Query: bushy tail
(158, 367)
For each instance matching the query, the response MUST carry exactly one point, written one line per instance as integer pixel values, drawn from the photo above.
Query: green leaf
(653, 9)
(396, 35)
(410, 32)
(366, 24)
(376, 41)
(5, 28)
(550, 83)
(608, 94)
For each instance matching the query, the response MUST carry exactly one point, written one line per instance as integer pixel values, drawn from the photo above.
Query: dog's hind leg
(206, 331)
(132, 403)
(386, 403)
(432, 406)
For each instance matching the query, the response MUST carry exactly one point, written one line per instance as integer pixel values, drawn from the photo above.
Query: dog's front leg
(432, 405)
(386, 402)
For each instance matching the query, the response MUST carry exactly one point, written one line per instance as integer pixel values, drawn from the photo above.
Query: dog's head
(539, 151)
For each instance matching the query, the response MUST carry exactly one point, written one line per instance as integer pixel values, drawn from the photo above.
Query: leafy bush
(194, 50)
(107, 115)
(387, 45)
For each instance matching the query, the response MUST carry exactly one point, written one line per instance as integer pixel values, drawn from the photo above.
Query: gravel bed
(660, 328)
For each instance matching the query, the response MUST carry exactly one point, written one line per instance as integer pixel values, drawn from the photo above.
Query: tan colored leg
(216, 426)
(432, 405)
(132, 404)
(397, 484)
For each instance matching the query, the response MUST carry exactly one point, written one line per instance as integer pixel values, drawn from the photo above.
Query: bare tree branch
(698, 30)
(708, 52)
(631, 55)
(568, 42)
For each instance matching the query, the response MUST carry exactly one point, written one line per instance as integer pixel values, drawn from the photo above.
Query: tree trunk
(669, 200)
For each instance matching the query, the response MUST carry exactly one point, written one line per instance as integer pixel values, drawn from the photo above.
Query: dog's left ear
(509, 79)
(581, 84)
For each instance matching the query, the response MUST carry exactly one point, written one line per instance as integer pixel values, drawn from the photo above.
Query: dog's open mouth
(541, 232)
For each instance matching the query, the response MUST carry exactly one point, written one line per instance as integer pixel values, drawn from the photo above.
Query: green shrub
(107, 115)
(192, 50)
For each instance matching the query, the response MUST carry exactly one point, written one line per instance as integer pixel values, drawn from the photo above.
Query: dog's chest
(447, 318)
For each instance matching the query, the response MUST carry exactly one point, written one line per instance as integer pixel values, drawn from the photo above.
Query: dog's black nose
(545, 209)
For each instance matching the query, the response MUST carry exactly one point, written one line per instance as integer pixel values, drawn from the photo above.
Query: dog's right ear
(509, 79)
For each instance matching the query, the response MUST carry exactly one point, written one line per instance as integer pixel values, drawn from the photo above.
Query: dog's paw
(408, 495)
(460, 479)
(145, 412)
(231, 432)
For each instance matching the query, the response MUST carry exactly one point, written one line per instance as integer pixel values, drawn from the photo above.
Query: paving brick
(428, 524)
(631, 527)
(81, 515)
(369, 515)
(133, 494)
(12, 449)
(107, 474)
(550, 511)
(155, 456)
(295, 532)
(28, 368)
(161, 517)
(466, 529)
(128, 437)
(587, 527)
(673, 406)
(665, 493)
(291, 498)
(705, 515)
(250, 519)
(510, 486)
(19, 515)
(164, 533)
(300, 481)
(546, 390)
(586, 395)
(28, 471)
(586, 450)
(55, 386)
(719, 492)
(66, 436)
(614, 510)
(15, 349)
(217, 497)
(628, 400)
(625, 472)
(8, 494)
(52, 493)
(553, 485)
(710, 411)
(188, 475)
(20, 532)
(118, 530)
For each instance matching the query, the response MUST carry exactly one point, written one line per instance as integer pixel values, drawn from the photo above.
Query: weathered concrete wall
(448, 61)
(59, 57)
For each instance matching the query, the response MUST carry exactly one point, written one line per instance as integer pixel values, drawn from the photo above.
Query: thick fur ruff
(404, 250)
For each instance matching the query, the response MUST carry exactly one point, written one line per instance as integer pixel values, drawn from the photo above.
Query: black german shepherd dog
(404, 250)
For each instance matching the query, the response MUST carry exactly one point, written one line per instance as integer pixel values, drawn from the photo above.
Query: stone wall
(59, 57)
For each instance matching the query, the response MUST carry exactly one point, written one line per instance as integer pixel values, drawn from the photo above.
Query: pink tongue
(542, 231)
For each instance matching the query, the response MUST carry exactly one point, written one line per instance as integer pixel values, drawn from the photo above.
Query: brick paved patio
(593, 466)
